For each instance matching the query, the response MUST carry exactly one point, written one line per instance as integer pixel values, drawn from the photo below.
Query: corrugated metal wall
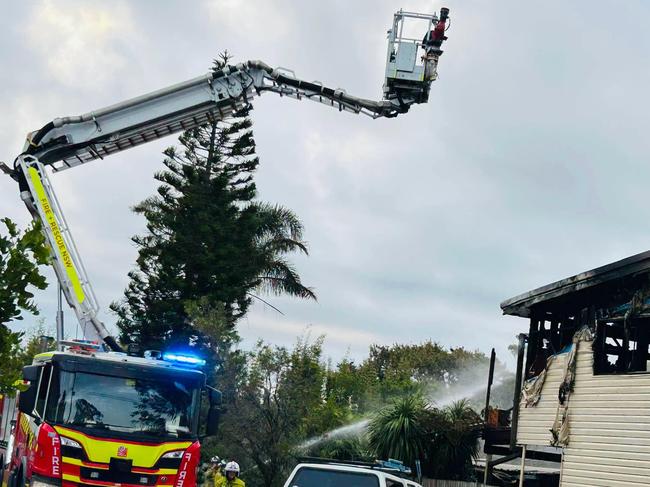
(535, 422)
(609, 421)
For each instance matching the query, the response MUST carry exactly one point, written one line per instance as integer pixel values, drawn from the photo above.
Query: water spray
(440, 399)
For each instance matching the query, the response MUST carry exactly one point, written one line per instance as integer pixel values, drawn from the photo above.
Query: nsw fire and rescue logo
(122, 451)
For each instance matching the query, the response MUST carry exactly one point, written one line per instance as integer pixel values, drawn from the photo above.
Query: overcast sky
(529, 164)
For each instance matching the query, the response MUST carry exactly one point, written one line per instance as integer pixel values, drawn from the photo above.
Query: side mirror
(27, 401)
(214, 412)
(31, 373)
(212, 426)
(216, 398)
(27, 398)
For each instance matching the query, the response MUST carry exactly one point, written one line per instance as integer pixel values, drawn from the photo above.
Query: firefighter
(433, 40)
(215, 470)
(232, 476)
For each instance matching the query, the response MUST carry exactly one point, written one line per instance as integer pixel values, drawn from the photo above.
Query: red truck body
(103, 420)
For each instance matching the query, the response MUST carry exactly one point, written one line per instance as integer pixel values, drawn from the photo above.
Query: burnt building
(583, 377)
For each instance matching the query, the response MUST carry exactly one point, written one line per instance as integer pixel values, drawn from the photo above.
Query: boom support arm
(71, 141)
(38, 195)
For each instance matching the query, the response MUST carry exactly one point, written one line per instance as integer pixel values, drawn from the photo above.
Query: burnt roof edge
(520, 305)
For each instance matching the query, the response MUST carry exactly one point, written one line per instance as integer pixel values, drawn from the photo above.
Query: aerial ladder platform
(67, 142)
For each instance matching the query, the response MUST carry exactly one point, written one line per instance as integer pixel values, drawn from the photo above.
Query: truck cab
(333, 474)
(109, 419)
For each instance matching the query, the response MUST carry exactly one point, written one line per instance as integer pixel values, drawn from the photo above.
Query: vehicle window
(43, 386)
(314, 477)
(394, 483)
(122, 404)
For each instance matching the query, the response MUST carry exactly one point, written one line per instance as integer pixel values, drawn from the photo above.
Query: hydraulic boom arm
(71, 141)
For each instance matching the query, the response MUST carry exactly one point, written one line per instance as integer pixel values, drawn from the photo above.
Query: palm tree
(278, 233)
(397, 431)
(444, 440)
(452, 441)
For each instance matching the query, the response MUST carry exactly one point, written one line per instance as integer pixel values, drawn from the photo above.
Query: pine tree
(207, 238)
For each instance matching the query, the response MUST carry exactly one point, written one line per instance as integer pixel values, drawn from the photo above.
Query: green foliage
(21, 254)
(353, 448)
(21, 351)
(207, 238)
(225, 362)
(444, 440)
(11, 361)
(390, 372)
(398, 431)
(351, 386)
(411, 428)
(452, 434)
(37, 340)
(283, 403)
(273, 410)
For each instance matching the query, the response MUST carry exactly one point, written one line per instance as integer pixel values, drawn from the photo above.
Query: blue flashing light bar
(182, 359)
(395, 465)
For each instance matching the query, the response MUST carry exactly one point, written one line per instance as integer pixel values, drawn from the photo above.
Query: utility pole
(488, 457)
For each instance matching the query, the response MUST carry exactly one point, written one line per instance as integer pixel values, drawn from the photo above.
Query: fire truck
(92, 414)
(105, 418)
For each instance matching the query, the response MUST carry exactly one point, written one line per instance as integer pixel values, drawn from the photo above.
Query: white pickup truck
(343, 475)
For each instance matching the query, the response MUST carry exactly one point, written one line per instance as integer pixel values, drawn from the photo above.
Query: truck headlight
(174, 454)
(68, 442)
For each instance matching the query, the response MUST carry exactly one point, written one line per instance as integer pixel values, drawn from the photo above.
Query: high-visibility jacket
(217, 477)
(236, 482)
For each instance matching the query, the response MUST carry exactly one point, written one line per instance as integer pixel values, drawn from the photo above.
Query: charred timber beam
(518, 376)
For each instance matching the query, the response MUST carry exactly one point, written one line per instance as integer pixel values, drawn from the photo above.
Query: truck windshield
(315, 477)
(130, 405)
